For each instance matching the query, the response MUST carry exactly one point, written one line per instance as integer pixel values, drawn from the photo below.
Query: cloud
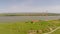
(12, 9)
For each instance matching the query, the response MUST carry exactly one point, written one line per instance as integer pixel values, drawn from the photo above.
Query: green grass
(23, 27)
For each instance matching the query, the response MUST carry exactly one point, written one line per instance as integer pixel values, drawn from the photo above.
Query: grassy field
(30, 27)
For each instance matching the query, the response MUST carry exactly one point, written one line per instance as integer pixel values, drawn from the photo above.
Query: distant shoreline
(29, 14)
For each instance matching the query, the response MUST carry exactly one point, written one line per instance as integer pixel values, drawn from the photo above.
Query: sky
(29, 6)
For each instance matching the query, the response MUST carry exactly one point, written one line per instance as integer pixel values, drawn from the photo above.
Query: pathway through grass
(52, 31)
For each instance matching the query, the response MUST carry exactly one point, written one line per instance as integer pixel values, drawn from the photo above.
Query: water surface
(27, 18)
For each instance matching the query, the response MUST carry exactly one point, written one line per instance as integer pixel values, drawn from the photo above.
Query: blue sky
(16, 6)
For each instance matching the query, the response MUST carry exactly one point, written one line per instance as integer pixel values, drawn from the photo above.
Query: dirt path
(52, 31)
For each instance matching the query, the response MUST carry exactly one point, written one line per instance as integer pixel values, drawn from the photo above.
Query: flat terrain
(30, 27)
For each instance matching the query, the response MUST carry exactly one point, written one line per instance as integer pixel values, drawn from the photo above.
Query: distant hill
(30, 14)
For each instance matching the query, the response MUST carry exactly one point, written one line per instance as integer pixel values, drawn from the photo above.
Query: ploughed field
(30, 27)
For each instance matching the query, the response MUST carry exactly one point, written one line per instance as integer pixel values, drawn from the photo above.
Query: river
(27, 18)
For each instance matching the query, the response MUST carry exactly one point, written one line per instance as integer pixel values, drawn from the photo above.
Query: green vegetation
(29, 27)
(30, 14)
